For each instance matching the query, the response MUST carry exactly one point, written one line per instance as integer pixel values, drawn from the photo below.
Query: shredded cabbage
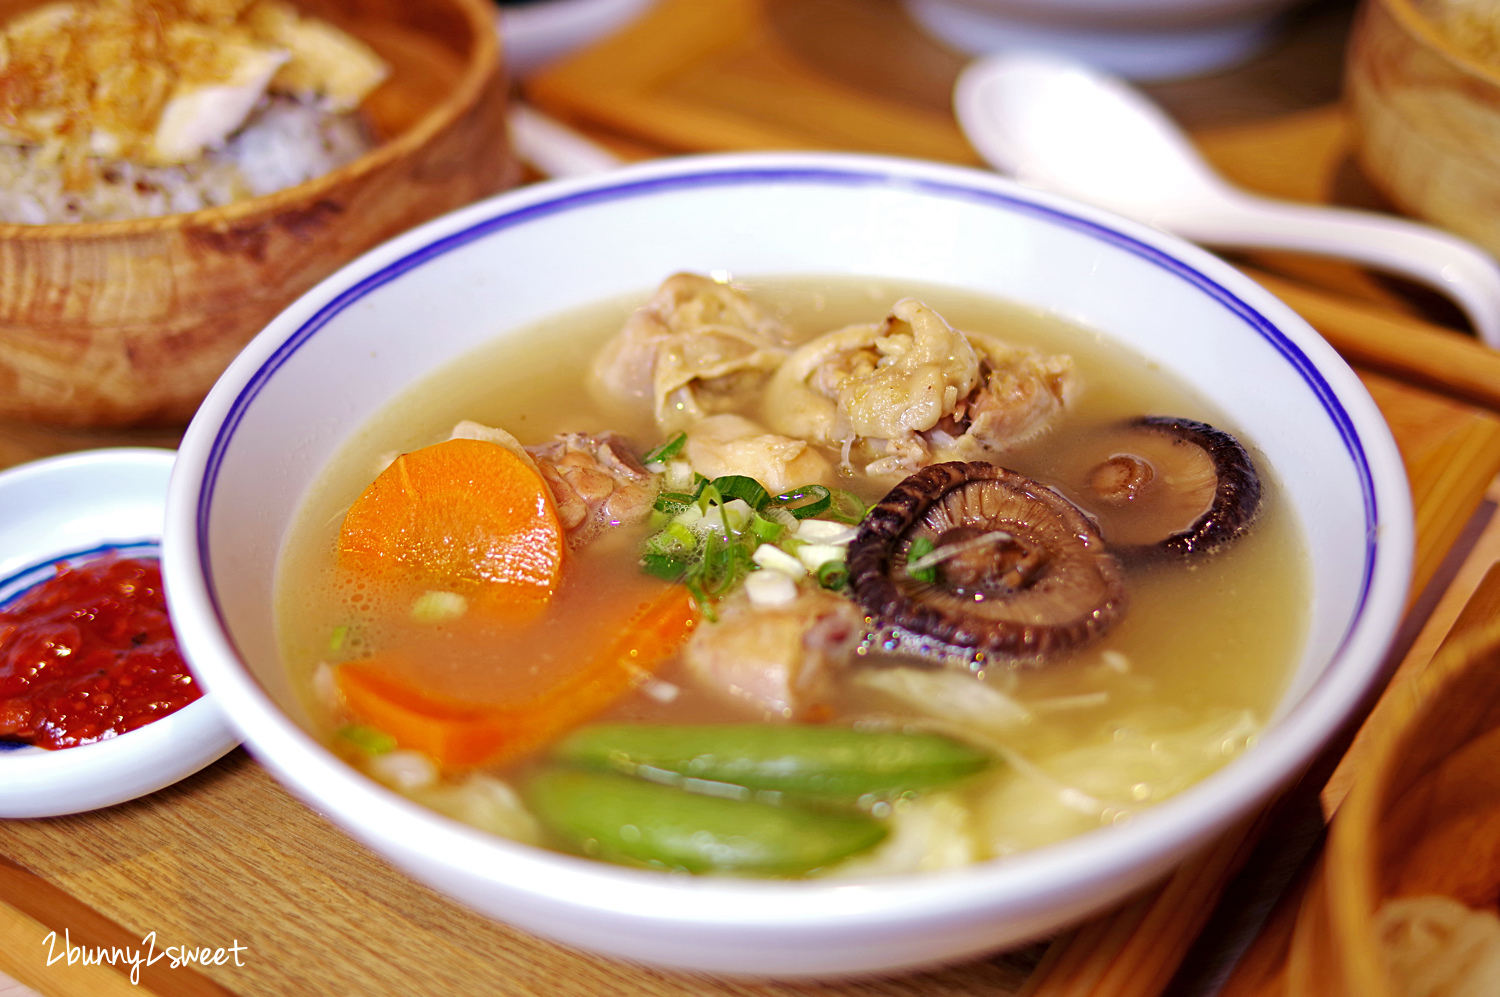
(969, 706)
(485, 802)
(1038, 800)
(932, 832)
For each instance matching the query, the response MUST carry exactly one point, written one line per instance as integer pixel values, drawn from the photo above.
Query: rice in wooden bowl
(128, 321)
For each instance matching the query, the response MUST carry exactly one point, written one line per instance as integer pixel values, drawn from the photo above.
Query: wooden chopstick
(1408, 349)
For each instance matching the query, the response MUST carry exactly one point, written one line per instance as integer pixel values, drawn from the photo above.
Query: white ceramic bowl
(335, 358)
(536, 32)
(1142, 39)
(73, 508)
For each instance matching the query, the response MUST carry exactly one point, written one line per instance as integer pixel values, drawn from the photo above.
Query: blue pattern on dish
(18, 583)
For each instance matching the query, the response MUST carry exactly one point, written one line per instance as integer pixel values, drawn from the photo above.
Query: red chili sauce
(89, 654)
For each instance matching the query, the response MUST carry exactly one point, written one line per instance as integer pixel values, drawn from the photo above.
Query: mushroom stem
(950, 551)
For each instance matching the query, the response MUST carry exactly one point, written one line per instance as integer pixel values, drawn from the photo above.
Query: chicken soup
(795, 577)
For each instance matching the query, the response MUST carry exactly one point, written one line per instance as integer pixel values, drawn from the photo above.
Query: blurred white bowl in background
(534, 33)
(1141, 39)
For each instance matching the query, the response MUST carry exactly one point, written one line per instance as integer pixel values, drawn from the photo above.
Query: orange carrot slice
(464, 516)
(385, 693)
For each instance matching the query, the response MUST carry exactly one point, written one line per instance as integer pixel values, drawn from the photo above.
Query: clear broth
(1202, 641)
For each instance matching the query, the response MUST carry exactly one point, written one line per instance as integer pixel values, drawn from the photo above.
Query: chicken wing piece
(698, 347)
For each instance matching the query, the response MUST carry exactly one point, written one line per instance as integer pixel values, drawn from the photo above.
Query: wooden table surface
(229, 858)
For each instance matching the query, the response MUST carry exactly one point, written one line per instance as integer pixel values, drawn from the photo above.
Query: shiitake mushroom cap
(1165, 485)
(1052, 587)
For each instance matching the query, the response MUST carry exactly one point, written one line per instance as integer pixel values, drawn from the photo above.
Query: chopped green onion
(734, 562)
(666, 451)
(920, 548)
(737, 516)
(805, 502)
(718, 565)
(832, 575)
(672, 502)
(772, 558)
(826, 531)
(710, 544)
(817, 555)
(668, 569)
(738, 486)
(368, 739)
(706, 604)
(668, 545)
(707, 495)
(766, 530)
(682, 535)
(777, 514)
(846, 507)
(677, 476)
(336, 641)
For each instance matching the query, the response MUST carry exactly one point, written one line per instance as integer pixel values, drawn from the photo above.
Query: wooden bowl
(1422, 818)
(129, 322)
(1427, 120)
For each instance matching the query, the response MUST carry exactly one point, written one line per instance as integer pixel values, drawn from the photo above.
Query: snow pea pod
(635, 821)
(801, 759)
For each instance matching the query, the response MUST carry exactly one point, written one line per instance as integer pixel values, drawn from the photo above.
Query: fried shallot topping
(158, 81)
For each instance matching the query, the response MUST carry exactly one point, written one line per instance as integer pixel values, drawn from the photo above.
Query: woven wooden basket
(129, 323)
(1427, 117)
(1423, 817)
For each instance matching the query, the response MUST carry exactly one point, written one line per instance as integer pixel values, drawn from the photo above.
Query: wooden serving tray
(229, 858)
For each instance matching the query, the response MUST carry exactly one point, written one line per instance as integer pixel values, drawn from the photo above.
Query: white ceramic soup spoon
(1064, 126)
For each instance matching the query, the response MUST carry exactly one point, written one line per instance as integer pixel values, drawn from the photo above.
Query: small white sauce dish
(74, 508)
(313, 377)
